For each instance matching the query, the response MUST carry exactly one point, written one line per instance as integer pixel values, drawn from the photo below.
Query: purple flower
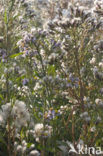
(4, 60)
(33, 39)
(2, 52)
(69, 85)
(57, 44)
(4, 56)
(53, 41)
(35, 52)
(25, 81)
(51, 114)
(71, 78)
(34, 64)
(27, 38)
(76, 85)
(76, 79)
(26, 52)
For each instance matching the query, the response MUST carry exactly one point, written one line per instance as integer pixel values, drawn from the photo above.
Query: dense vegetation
(51, 76)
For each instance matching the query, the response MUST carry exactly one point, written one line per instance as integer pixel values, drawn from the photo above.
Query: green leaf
(51, 70)
(15, 55)
(1, 97)
(22, 133)
(29, 144)
(5, 17)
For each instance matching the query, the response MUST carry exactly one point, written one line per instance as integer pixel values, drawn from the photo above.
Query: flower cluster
(51, 75)
(17, 111)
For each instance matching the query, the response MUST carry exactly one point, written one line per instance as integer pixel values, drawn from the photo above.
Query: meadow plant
(51, 76)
